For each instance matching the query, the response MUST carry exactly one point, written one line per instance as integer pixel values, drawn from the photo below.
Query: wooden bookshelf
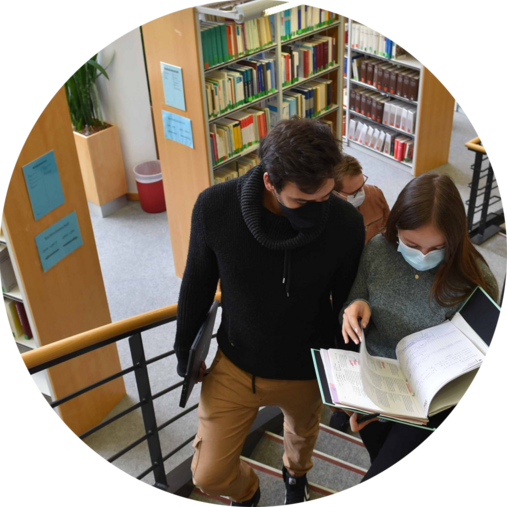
(70, 297)
(175, 39)
(435, 113)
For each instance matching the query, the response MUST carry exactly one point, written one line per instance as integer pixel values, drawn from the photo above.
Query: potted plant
(97, 142)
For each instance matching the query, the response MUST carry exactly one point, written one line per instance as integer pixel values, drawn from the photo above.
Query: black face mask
(304, 217)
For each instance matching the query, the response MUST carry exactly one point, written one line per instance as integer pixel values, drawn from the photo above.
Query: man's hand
(202, 371)
(354, 425)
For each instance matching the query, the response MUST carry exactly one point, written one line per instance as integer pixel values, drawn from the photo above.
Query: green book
(205, 47)
(225, 45)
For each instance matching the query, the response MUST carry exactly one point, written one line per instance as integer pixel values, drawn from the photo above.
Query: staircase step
(327, 471)
(347, 447)
(272, 487)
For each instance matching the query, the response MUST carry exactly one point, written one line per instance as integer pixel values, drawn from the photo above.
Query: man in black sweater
(282, 246)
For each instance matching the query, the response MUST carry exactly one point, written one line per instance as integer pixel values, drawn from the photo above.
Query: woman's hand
(350, 328)
(354, 425)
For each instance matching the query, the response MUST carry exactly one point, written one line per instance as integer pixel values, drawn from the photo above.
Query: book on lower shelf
(384, 110)
(431, 373)
(398, 146)
(236, 168)
(13, 321)
(233, 134)
(309, 99)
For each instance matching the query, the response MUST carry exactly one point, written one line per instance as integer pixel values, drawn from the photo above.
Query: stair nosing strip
(221, 499)
(317, 488)
(323, 456)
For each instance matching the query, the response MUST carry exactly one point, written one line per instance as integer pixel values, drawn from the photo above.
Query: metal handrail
(68, 348)
(98, 336)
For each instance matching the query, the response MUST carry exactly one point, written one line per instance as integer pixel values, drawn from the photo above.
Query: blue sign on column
(58, 241)
(44, 185)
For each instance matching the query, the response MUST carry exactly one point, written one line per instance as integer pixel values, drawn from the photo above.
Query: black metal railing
(481, 198)
(140, 369)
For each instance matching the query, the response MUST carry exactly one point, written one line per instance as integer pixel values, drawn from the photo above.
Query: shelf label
(172, 80)
(178, 128)
(58, 241)
(44, 185)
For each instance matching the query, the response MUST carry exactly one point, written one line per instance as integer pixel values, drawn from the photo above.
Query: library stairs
(340, 461)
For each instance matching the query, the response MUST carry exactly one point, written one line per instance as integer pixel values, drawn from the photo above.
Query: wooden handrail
(475, 146)
(81, 341)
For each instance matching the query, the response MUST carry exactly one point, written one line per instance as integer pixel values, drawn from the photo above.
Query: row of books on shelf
(18, 319)
(381, 109)
(224, 40)
(238, 131)
(249, 80)
(236, 168)
(239, 83)
(397, 146)
(370, 41)
(302, 19)
(304, 58)
(307, 100)
(386, 77)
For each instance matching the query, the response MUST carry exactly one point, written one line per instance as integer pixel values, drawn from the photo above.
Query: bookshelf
(70, 297)
(434, 114)
(187, 172)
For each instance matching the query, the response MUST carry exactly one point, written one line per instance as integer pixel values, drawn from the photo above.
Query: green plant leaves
(82, 96)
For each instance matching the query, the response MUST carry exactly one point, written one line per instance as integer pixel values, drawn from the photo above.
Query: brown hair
(349, 166)
(302, 151)
(434, 199)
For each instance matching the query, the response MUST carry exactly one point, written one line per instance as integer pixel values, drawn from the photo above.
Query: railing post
(474, 189)
(148, 410)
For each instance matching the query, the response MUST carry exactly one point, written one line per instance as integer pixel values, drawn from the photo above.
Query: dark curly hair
(302, 151)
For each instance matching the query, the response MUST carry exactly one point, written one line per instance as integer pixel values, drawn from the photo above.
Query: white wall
(125, 101)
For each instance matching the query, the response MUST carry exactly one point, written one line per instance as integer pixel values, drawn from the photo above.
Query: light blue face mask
(418, 260)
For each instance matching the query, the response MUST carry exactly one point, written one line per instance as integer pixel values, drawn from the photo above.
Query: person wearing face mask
(350, 185)
(271, 237)
(415, 275)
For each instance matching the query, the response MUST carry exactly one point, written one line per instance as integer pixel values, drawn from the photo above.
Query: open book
(432, 372)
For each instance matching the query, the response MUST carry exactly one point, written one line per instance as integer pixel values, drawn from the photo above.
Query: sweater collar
(250, 188)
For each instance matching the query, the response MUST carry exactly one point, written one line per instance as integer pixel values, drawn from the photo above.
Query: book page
(385, 385)
(346, 369)
(434, 357)
(324, 354)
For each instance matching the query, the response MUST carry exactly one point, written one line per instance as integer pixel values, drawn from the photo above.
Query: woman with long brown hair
(414, 276)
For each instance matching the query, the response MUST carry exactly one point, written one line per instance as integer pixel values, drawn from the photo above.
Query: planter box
(102, 166)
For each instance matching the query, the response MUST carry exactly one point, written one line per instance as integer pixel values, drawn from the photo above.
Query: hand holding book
(358, 310)
(358, 422)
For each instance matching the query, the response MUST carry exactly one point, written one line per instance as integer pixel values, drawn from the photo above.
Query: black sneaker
(252, 502)
(339, 421)
(296, 488)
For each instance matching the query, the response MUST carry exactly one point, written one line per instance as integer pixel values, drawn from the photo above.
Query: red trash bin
(150, 186)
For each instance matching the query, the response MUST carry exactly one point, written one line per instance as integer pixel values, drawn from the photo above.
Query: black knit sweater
(276, 282)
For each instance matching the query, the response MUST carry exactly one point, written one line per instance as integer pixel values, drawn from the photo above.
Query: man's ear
(269, 186)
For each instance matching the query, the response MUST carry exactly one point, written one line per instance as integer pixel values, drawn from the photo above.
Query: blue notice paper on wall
(172, 79)
(178, 128)
(44, 185)
(58, 241)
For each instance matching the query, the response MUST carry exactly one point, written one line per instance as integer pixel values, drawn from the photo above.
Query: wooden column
(70, 297)
(434, 125)
(173, 39)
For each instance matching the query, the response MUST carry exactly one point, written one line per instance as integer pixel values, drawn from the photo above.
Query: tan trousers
(227, 410)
